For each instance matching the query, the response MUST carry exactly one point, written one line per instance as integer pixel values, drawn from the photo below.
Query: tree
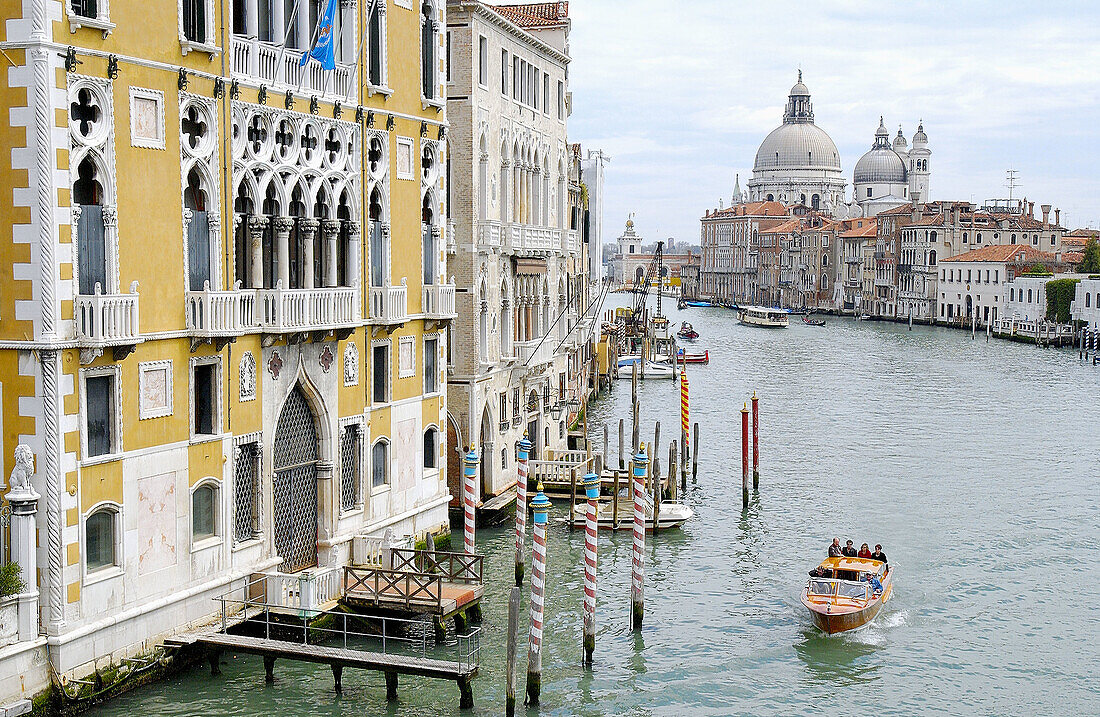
(1090, 264)
(1060, 293)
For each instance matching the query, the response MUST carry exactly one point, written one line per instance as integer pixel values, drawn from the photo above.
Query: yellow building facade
(223, 309)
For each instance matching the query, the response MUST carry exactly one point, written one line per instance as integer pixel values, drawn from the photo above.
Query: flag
(324, 50)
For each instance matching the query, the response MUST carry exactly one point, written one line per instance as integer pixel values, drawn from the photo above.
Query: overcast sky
(680, 93)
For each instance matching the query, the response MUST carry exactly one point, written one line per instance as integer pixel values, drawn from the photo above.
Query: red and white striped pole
(469, 485)
(540, 508)
(524, 450)
(755, 442)
(592, 491)
(684, 432)
(638, 572)
(745, 457)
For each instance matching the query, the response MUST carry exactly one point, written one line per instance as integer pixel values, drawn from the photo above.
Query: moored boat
(698, 304)
(763, 317)
(811, 321)
(687, 332)
(844, 597)
(700, 358)
(653, 369)
(671, 515)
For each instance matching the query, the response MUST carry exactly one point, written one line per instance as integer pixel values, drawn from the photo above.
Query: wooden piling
(592, 493)
(638, 563)
(655, 466)
(391, 686)
(755, 442)
(513, 629)
(269, 669)
(672, 487)
(572, 496)
(622, 436)
(745, 457)
(540, 507)
(694, 452)
(634, 407)
(337, 675)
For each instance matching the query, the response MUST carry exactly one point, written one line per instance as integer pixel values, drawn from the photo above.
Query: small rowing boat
(845, 597)
(809, 321)
(685, 357)
(687, 332)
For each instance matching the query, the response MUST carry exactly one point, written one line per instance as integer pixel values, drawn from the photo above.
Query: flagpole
(359, 53)
(286, 33)
(312, 40)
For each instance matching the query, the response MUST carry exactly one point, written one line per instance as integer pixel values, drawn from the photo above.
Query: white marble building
(1086, 303)
(890, 174)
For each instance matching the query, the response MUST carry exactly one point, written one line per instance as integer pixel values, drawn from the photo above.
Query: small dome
(900, 145)
(920, 136)
(800, 89)
(881, 165)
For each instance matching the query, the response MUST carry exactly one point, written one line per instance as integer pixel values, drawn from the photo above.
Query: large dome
(880, 166)
(797, 146)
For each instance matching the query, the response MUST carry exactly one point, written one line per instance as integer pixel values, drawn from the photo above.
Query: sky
(680, 93)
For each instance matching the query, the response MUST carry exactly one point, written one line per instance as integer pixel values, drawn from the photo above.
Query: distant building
(1086, 303)
(889, 175)
(971, 284)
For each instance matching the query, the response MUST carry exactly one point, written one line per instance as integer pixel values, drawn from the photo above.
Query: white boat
(653, 369)
(671, 515)
(763, 317)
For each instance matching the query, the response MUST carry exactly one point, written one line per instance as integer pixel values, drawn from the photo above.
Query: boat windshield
(856, 591)
(822, 587)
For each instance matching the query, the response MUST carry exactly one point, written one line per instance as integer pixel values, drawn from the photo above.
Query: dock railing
(409, 589)
(451, 567)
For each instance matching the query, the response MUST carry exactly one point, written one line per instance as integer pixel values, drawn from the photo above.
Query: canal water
(976, 464)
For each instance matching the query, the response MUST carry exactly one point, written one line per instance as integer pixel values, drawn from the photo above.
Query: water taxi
(763, 317)
(844, 598)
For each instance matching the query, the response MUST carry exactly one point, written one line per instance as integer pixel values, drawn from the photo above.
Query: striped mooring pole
(524, 450)
(638, 573)
(540, 508)
(745, 457)
(592, 491)
(755, 442)
(469, 477)
(684, 430)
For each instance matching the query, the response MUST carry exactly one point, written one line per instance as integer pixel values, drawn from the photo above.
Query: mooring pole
(655, 471)
(672, 471)
(634, 406)
(638, 563)
(694, 452)
(468, 487)
(745, 457)
(540, 508)
(622, 436)
(513, 628)
(755, 442)
(684, 415)
(523, 448)
(592, 492)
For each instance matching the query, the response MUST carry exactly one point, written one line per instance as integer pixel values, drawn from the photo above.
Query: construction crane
(641, 292)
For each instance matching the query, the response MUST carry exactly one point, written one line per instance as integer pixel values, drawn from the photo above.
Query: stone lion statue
(20, 479)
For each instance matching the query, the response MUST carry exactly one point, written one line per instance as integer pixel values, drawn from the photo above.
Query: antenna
(1012, 181)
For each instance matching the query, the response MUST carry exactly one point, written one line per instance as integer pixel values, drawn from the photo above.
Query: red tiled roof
(753, 209)
(1073, 257)
(859, 227)
(1005, 254)
(539, 14)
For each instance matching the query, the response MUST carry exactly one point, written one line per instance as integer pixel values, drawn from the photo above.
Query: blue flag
(325, 48)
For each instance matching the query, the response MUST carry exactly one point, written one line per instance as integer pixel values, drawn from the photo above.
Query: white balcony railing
(272, 65)
(389, 304)
(488, 235)
(572, 244)
(438, 301)
(532, 353)
(107, 318)
(221, 313)
(308, 309)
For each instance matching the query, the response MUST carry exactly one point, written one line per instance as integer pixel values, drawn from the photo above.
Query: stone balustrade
(107, 318)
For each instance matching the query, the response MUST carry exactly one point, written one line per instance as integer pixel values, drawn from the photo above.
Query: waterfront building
(593, 170)
(728, 244)
(632, 260)
(1086, 302)
(806, 259)
(798, 162)
(851, 290)
(1024, 298)
(227, 305)
(518, 258)
(971, 284)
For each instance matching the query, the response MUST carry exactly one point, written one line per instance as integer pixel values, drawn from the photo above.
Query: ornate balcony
(220, 315)
(488, 235)
(272, 65)
(572, 243)
(438, 301)
(389, 305)
(531, 353)
(298, 310)
(107, 320)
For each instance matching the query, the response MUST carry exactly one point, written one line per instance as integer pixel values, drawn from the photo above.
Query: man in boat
(835, 549)
(876, 586)
(849, 550)
(820, 572)
(879, 555)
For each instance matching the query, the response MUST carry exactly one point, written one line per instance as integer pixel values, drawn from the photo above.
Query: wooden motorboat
(687, 332)
(763, 317)
(671, 515)
(685, 357)
(844, 598)
(653, 369)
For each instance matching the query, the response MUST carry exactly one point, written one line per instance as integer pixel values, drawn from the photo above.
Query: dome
(900, 145)
(797, 146)
(920, 136)
(800, 89)
(880, 166)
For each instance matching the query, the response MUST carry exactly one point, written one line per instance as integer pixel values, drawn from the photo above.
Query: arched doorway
(486, 452)
(294, 484)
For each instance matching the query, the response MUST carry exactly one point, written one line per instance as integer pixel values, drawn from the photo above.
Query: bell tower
(919, 172)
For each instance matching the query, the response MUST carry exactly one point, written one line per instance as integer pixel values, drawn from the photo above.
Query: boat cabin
(847, 578)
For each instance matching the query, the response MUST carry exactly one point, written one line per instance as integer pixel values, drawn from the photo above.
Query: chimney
(1031, 209)
(955, 215)
(1046, 215)
(1057, 217)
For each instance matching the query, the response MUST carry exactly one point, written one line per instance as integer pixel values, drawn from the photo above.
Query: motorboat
(671, 515)
(864, 317)
(698, 304)
(653, 369)
(843, 597)
(687, 332)
(699, 358)
(763, 317)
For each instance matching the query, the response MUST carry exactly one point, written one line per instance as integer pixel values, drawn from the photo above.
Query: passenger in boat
(864, 551)
(819, 572)
(835, 551)
(879, 555)
(876, 586)
(849, 550)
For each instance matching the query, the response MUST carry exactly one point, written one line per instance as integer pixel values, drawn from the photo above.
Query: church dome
(881, 165)
(797, 146)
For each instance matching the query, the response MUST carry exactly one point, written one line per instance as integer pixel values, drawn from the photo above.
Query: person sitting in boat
(879, 555)
(849, 550)
(864, 551)
(820, 572)
(876, 585)
(835, 551)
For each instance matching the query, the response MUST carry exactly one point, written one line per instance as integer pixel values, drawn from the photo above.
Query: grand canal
(976, 464)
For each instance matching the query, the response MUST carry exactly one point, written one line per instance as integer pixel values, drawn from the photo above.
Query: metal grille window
(86, 8)
(350, 456)
(194, 20)
(246, 501)
(294, 484)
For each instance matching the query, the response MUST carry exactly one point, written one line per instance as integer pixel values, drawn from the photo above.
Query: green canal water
(976, 464)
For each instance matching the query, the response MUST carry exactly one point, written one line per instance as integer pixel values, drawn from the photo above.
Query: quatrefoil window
(194, 127)
(333, 145)
(257, 134)
(85, 112)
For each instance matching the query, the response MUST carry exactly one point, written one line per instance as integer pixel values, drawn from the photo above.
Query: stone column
(256, 227)
(251, 18)
(507, 327)
(330, 228)
(24, 544)
(307, 232)
(282, 227)
(354, 258)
